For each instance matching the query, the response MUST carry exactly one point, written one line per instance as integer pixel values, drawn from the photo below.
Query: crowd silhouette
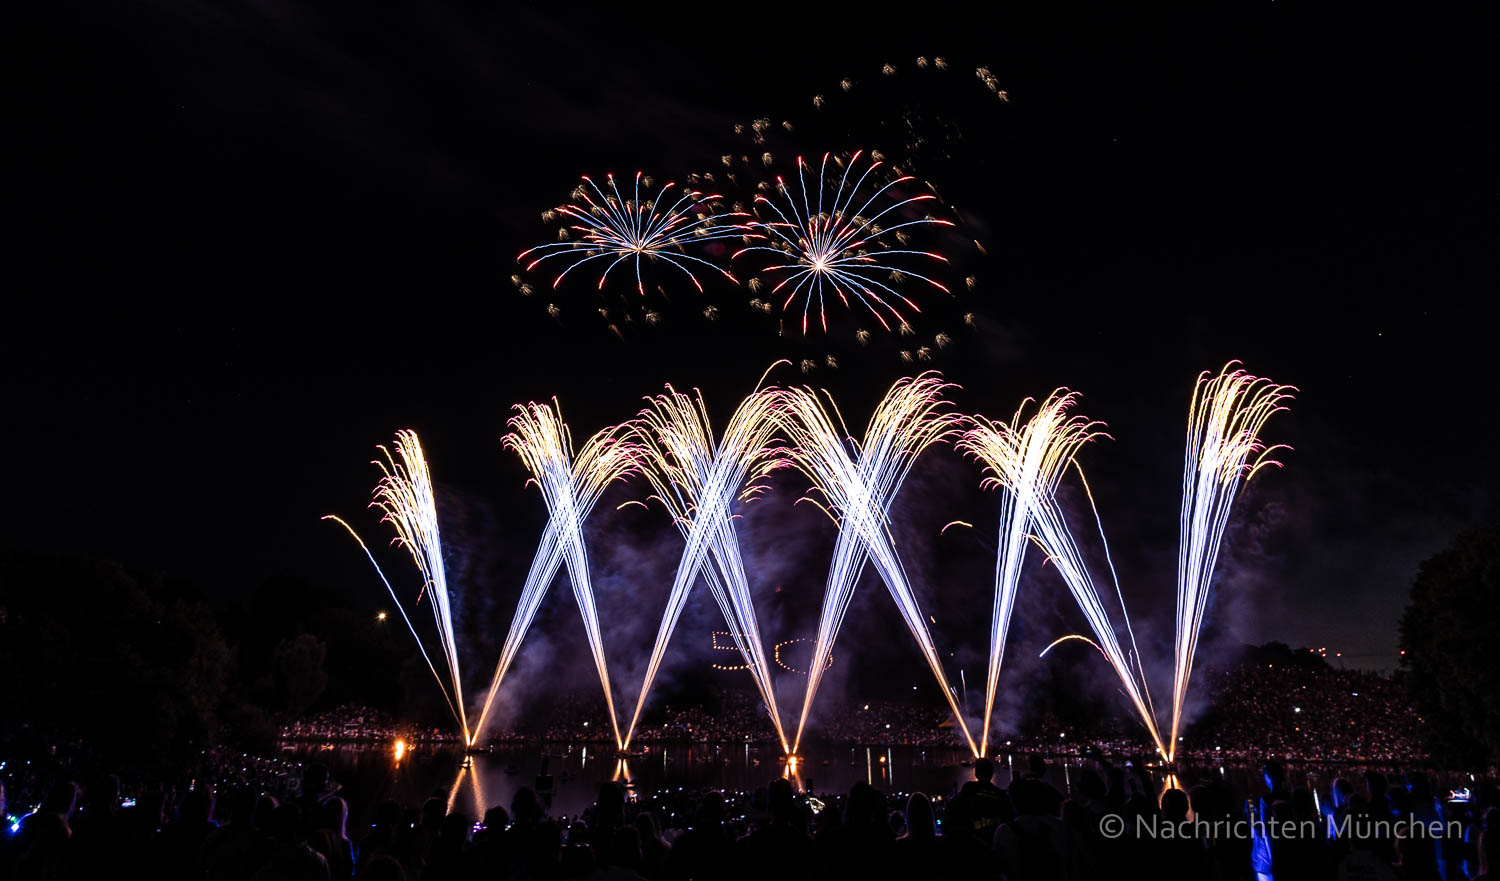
(1030, 829)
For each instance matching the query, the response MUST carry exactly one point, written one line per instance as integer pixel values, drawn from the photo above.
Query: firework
(1028, 463)
(405, 498)
(612, 228)
(858, 482)
(570, 486)
(1224, 451)
(1025, 460)
(697, 477)
(1051, 440)
(834, 243)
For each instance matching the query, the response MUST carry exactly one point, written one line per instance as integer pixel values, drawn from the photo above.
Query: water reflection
(566, 777)
(467, 770)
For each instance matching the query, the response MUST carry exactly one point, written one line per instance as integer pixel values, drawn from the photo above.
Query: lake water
(572, 772)
(567, 775)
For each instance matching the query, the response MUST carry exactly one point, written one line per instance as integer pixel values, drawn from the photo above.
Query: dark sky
(251, 240)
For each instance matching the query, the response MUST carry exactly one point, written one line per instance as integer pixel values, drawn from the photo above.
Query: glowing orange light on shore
(400, 749)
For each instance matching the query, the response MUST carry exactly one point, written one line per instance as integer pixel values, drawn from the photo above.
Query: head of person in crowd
(1174, 805)
(920, 821)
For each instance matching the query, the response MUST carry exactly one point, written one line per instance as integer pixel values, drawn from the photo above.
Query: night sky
(252, 240)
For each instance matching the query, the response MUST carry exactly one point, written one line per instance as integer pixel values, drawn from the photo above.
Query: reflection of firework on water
(858, 481)
(697, 477)
(570, 486)
(404, 496)
(845, 240)
(1224, 451)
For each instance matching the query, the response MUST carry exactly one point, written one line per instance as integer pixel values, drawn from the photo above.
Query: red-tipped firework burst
(606, 226)
(842, 243)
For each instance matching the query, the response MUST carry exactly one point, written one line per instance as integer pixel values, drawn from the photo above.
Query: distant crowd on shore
(1304, 714)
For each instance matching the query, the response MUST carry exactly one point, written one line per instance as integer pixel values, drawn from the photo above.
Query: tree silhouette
(1448, 641)
(299, 674)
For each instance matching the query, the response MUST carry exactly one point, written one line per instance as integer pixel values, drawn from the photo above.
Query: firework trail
(697, 478)
(858, 482)
(404, 496)
(571, 487)
(838, 249)
(611, 227)
(1224, 451)
(1028, 463)
(1026, 460)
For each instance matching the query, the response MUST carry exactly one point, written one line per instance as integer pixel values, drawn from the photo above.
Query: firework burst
(405, 498)
(1224, 451)
(697, 477)
(1025, 460)
(608, 227)
(858, 482)
(837, 243)
(570, 486)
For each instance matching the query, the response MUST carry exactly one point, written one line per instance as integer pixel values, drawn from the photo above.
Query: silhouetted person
(1377, 792)
(383, 868)
(330, 837)
(1416, 858)
(1488, 852)
(234, 850)
(290, 858)
(1426, 809)
(609, 812)
(183, 838)
(533, 842)
(97, 837)
(1179, 856)
(781, 841)
(622, 855)
(1363, 862)
(989, 805)
(314, 789)
(384, 836)
(962, 849)
(490, 854)
(867, 835)
(448, 858)
(1032, 846)
(1273, 775)
(704, 849)
(918, 851)
(654, 851)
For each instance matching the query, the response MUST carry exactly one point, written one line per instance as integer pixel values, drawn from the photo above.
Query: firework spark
(614, 228)
(1224, 451)
(1028, 463)
(838, 248)
(697, 477)
(858, 482)
(571, 486)
(405, 498)
(1026, 460)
